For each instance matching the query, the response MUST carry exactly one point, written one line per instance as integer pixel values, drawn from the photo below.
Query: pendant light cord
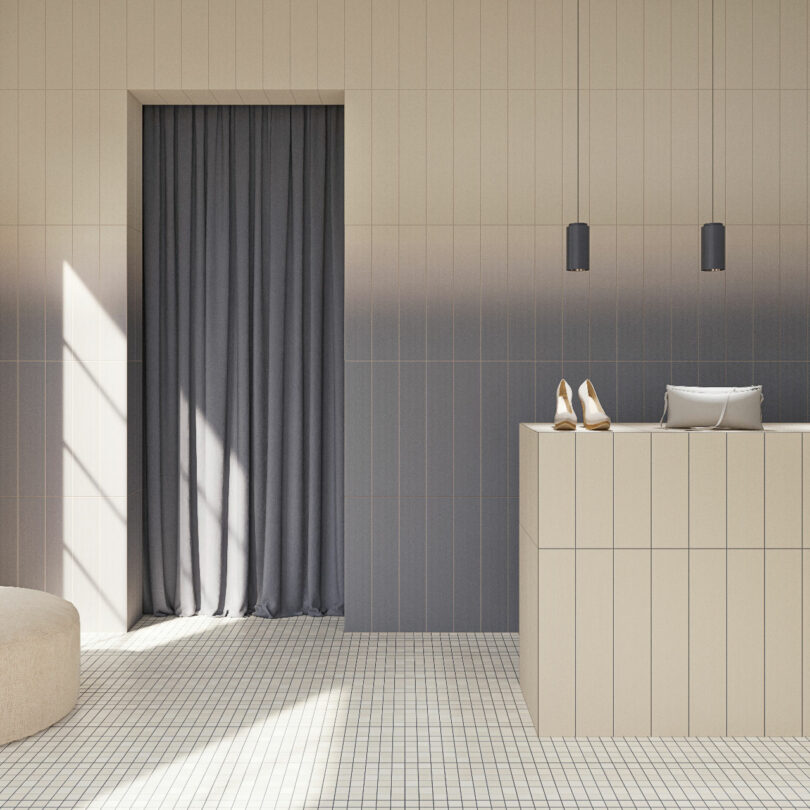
(712, 110)
(578, 110)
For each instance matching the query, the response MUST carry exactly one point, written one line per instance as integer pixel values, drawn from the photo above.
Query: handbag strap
(666, 405)
(723, 412)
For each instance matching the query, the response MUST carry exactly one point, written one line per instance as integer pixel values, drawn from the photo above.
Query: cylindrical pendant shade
(577, 254)
(713, 247)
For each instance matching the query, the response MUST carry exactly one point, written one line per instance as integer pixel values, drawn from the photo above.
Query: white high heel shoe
(593, 414)
(564, 418)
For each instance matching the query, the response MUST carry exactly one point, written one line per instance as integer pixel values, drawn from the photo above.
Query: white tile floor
(242, 713)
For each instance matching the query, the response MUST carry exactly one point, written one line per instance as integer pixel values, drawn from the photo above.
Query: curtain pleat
(243, 360)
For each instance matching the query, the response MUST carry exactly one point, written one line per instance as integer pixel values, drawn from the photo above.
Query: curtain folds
(243, 364)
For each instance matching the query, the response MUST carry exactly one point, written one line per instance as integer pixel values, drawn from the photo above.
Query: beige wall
(459, 115)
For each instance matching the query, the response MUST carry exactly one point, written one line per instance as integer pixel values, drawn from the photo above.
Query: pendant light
(577, 234)
(713, 234)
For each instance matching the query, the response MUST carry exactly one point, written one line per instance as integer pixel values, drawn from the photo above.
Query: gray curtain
(243, 342)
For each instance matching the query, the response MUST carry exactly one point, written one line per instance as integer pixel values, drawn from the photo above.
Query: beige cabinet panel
(707, 490)
(746, 475)
(670, 641)
(555, 488)
(669, 490)
(806, 645)
(746, 641)
(631, 490)
(528, 482)
(806, 488)
(528, 607)
(556, 651)
(594, 466)
(707, 642)
(594, 642)
(783, 642)
(783, 490)
(647, 623)
(631, 643)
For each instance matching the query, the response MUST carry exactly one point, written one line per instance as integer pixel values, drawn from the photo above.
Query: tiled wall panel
(458, 116)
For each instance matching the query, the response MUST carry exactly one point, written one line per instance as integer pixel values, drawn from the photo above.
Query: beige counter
(665, 581)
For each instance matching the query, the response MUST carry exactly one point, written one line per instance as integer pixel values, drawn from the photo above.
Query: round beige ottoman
(39, 661)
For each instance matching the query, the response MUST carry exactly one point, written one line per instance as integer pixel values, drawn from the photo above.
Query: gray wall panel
(32, 545)
(412, 302)
(521, 292)
(494, 293)
(494, 445)
(439, 293)
(630, 386)
(512, 558)
(439, 428)
(467, 429)
(466, 564)
(466, 293)
(357, 436)
(384, 293)
(412, 409)
(521, 409)
(576, 323)
(412, 564)
(439, 553)
(32, 428)
(494, 564)
(385, 564)
(357, 550)
(8, 429)
(385, 429)
(548, 313)
(547, 378)
(793, 392)
(8, 540)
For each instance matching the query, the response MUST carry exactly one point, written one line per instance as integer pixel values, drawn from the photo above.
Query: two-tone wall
(460, 176)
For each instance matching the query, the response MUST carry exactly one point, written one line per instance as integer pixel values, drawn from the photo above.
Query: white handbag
(687, 406)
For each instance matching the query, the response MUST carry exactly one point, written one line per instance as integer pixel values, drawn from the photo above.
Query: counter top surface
(653, 427)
